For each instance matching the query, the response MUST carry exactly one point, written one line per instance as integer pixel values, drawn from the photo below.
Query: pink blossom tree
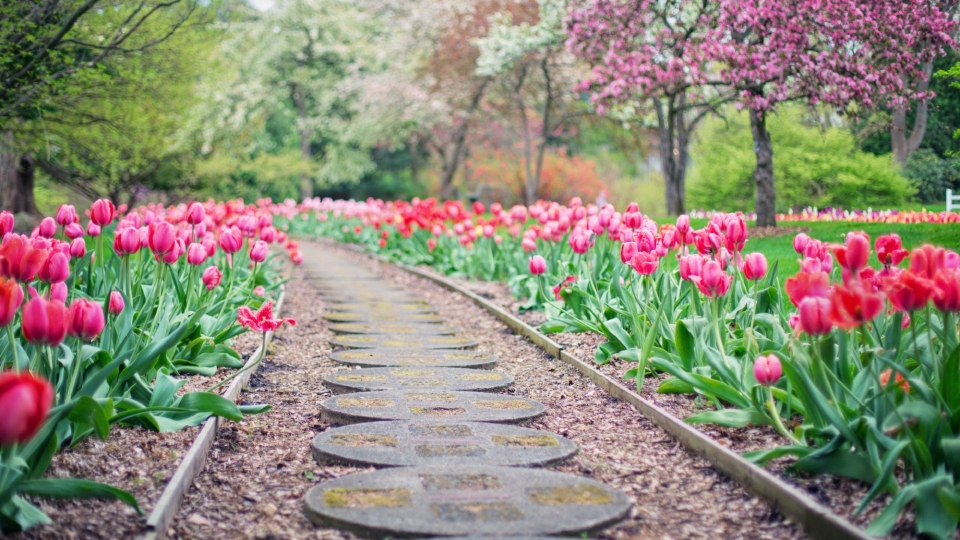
(844, 53)
(652, 52)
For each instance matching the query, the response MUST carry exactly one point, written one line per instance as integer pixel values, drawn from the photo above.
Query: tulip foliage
(101, 319)
(854, 361)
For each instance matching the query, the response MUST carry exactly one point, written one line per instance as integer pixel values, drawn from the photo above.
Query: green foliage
(812, 167)
(931, 175)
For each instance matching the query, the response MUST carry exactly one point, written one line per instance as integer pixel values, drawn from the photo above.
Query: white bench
(953, 201)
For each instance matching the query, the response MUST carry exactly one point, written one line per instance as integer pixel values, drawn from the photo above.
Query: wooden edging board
(169, 503)
(817, 520)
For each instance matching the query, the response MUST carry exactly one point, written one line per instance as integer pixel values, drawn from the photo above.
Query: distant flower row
(812, 213)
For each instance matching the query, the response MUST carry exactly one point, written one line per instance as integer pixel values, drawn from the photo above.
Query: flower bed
(97, 337)
(855, 366)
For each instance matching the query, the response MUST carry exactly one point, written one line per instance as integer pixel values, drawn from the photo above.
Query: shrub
(812, 167)
(931, 175)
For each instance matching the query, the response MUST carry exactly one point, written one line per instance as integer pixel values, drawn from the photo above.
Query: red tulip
(478, 208)
(538, 265)
(6, 223)
(645, 263)
(855, 254)
(767, 370)
(20, 259)
(231, 240)
(56, 269)
(854, 305)
(815, 316)
(754, 266)
(66, 215)
(196, 254)
(48, 227)
(262, 320)
(116, 305)
(807, 284)
(11, 296)
(258, 253)
(25, 400)
(102, 212)
(195, 213)
(211, 277)
(946, 290)
(890, 249)
(44, 322)
(162, 238)
(907, 291)
(85, 319)
(713, 282)
(627, 251)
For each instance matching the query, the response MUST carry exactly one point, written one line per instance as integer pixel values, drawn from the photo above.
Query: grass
(780, 249)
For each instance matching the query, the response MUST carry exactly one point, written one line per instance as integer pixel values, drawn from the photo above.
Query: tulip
(431, 245)
(73, 231)
(855, 254)
(627, 251)
(231, 240)
(538, 265)
(807, 284)
(102, 212)
(44, 322)
(162, 238)
(48, 227)
(262, 320)
(258, 253)
(767, 370)
(259, 291)
(85, 319)
(116, 305)
(58, 291)
(754, 266)
(268, 235)
(890, 249)
(690, 266)
(66, 215)
(25, 400)
(175, 253)
(211, 277)
(907, 291)
(645, 263)
(20, 259)
(479, 208)
(815, 316)
(56, 269)
(93, 229)
(247, 224)
(946, 291)
(528, 244)
(898, 381)
(196, 254)
(683, 224)
(854, 305)
(6, 223)
(296, 256)
(195, 213)
(927, 260)
(126, 241)
(713, 282)
(800, 243)
(11, 296)
(736, 235)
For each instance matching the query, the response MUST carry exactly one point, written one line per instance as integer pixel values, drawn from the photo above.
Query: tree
(55, 48)
(656, 51)
(837, 52)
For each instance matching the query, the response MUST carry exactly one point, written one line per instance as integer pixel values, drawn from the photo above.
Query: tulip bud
(11, 296)
(73, 230)
(683, 224)
(44, 322)
(800, 242)
(268, 234)
(815, 316)
(627, 251)
(78, 248)
(102, 212)
(6, 223)
(93, 229)
(25, 400)
(48, 227)
(258, 253)
(56, 269)
(767, 370)
(196, 254)
(296, 256)
(126, 241)
(162, 237)
(754, 266)
(116, 305)
(66, 214)
(175, 253)
(211, 277)
(195, 213)
(231, 240)
(538, 265)
(85, 319)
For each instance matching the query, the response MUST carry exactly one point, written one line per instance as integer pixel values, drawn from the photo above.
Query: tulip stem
(778, 422)
(13, 349)
(248, 367)
(74, 371)
(8, 467)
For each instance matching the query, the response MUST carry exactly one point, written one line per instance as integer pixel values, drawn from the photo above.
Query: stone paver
(461, 500)
(428, 405)
(391, 328)
(403, 357)
(402, 341)
(416, 378)
(405, 443)
(366, 316)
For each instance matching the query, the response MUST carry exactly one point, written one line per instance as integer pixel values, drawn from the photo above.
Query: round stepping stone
(402, 341)
(404, 444)
(367, 316)
(400, 357)
(416, 378)
(391, 328)
(459, 500)
(428, 405)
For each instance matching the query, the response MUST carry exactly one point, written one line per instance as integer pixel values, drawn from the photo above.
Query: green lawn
(780, 249)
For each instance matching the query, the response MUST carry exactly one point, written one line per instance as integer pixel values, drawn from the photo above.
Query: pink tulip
(296, 256)
(85, 319)
(258, 253)
(231, 240)
(102, 212)
(11, 296)
(44, 322)
(162, 238)
(196, 254)
(683, 224)
(259, 291)
(48, 227)
(538, 265)
(116, 305)
(211, 277)
(56, 269)
(690, 266)
(175, 253)
(268, 234)
(815, 316)
(754, 266)
(6, 223)
(627, 251)
(25, 400)
(58, 291)
(767, 370)
(20, 258)
(78, 248)
(645, 263)
(73, 231)
(195, 213)
(800, 243)
(126, 241)
(713, 282)
(66, 215)
(93, 229)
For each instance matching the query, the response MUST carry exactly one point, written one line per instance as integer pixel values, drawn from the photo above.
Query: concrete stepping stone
(464, 500)
(367, 316)
(391, 328)
(428, 405)
(399, 307)
(402, 341)
(401, 357)
(416, 378)
(396, 444)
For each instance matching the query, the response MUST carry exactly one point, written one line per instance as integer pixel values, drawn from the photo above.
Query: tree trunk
(766, 203)
(16, 179)
(547, 128)
(413, 146)
(306, 181)
(904, 146)
(666, 126)
(451, 160)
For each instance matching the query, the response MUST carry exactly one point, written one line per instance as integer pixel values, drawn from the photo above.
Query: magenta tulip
(538, 265)
(85, 319)
(767, 370)
(25, 400)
